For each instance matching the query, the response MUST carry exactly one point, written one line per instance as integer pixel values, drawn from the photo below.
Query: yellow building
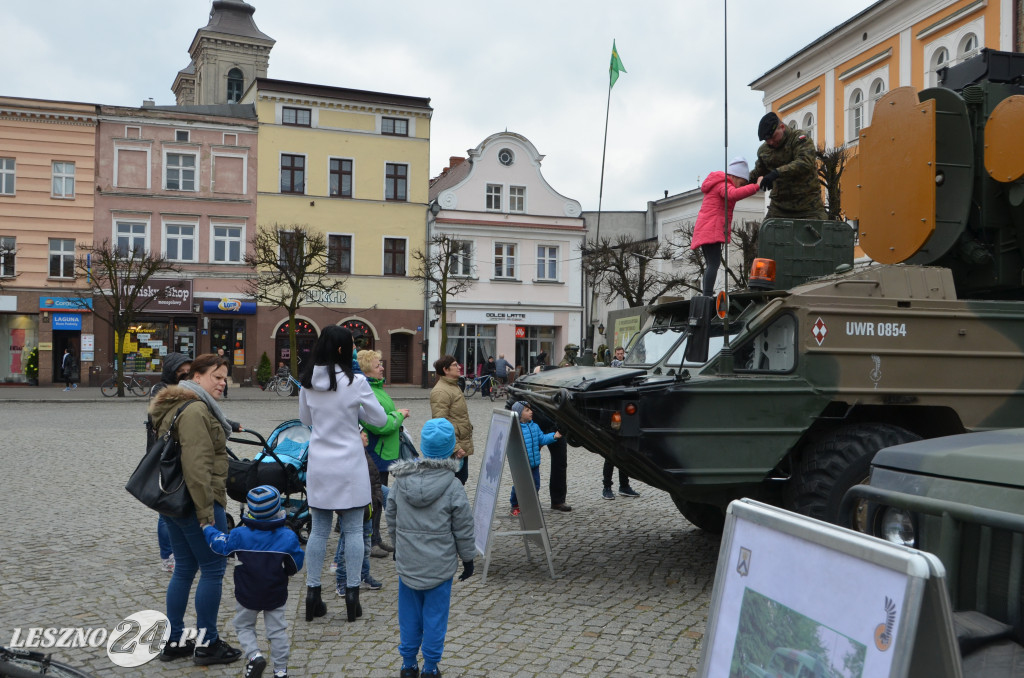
(829, 88)
(47, 179)
(353, 165)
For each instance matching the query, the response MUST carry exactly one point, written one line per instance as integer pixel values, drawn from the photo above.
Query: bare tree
(744, 239)
(118, 278)
(623, 267)
(292, 266)
(831, 163)
(445, 269)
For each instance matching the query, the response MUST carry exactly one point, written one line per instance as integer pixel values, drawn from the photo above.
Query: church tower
(227, 55)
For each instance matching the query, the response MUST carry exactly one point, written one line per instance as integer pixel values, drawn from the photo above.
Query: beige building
(829, 88)
(47, 176)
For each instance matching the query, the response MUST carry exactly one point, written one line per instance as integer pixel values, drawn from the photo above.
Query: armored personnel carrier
(805, 382)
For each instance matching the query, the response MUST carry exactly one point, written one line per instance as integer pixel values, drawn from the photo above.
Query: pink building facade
(180, 182)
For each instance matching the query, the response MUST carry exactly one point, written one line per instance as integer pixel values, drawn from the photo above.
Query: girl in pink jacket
(713, 226)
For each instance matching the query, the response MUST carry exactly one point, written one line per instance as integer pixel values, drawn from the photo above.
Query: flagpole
(597, 229)
(725, 80)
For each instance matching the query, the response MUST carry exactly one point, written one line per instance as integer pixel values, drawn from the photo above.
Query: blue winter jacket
(535, 439)
(268, 553)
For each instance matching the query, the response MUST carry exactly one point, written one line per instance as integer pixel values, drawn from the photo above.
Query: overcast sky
(536, 68)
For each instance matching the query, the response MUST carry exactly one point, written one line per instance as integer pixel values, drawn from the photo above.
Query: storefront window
(537, 340)
(229, 334)
(185, 337)
(148, 341)
(18, 336)
(471, 345)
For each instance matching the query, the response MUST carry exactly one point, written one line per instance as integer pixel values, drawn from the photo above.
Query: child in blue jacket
(534, 439)
(268, 553)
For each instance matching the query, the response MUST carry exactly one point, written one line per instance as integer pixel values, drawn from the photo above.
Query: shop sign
(80, 304)
(520, 332)
(67, 321)
(8, 302)
(88, 342)
(232, 306)
(325, 297)
(499, 316)
(164, 296)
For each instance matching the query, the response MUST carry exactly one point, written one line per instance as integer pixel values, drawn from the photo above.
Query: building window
(547, 262)
(63, 180)
(517, 198)
(297, 117)
(181, 172)
(461, 258)
(341, 178)
(7, 251)
(394, 256)
(394, 126)
(6, 176)
(130, 238)
(940, 59)
(877, 90)
(339, 254)
(293, 173)
(62, 258)
(180, 242)
(493, 197)
(504, 260)
(227, 244)
(470, 345)
(181, 135)
(291, 249)
(968, 47)
(809, 125)
(396, 182)
(856, 114)
(235, 82)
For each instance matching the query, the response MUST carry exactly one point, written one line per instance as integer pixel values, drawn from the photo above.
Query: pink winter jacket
(709, 227)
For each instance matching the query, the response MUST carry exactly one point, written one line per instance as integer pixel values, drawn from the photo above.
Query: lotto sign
(819, 331)
(520, 332)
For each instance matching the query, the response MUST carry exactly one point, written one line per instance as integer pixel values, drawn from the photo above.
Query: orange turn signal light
(762, 273)
(631, 409)
(616, 421)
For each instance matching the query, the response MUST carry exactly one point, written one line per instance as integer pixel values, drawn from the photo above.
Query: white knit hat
(738, 167)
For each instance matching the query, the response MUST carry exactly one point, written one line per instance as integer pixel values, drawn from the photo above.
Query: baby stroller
(282, 463)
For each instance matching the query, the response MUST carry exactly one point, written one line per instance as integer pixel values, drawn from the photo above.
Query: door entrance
(398, 371)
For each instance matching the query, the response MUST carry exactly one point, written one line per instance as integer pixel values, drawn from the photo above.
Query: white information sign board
(794, 592)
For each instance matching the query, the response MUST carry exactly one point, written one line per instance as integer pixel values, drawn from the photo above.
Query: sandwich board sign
(505, 441)
(794, 596)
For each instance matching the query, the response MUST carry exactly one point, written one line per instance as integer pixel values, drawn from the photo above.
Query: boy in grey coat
(431, 525)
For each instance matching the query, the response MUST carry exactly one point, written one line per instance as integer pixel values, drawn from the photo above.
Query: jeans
(423, 620)
(163, 538)
(341, 575)
(535, 470)
(191, 553)
(375, 538)
(276, 624)
(316, 547)
(608, 469)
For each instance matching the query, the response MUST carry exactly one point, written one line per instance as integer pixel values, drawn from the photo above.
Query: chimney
(454, 161)
(148, 103)
(666, 193)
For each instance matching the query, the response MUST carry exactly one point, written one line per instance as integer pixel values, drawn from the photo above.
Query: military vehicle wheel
(835, 463)
(705, 517)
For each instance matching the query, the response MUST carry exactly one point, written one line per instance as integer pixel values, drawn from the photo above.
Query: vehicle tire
(707, 517)
(284, 387)
(471, 388)
(109, 387)
(493, 393)
(834, 463)
(140, 386)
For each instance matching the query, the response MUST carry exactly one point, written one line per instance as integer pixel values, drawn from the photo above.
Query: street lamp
(600, 329)
(436, 305)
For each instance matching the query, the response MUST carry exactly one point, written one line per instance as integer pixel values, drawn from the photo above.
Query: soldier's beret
(767, 126)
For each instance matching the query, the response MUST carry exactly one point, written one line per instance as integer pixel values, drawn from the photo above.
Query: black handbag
(158, 481)
(406, 448)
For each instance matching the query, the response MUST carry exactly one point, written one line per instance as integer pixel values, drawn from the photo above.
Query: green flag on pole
(616, 67)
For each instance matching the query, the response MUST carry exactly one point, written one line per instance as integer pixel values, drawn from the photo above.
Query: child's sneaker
(410, 672)
(628, 491)
(334, 566)
(281, 674)
(436, 673)
(168, 563)
(514, 513)
(340, 590)
(255, 666)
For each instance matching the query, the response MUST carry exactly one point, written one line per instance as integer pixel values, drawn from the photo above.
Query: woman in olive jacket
(202, 430)
(447, 402)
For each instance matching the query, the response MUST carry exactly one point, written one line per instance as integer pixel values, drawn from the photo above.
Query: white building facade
(519, 244)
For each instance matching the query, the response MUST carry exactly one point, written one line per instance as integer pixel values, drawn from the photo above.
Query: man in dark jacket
(789, 165)
(268, 553)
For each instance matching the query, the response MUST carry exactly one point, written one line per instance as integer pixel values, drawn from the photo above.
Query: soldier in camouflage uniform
(788, 164)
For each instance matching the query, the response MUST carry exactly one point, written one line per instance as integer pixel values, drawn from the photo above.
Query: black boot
(314, 606)
(352, 606)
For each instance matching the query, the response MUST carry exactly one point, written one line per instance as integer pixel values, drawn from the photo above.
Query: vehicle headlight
(897, 526)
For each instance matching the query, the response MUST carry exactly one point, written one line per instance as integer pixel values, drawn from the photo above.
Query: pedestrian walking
(67, 366)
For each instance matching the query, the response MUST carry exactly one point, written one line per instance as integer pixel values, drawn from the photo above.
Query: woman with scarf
(202, 429)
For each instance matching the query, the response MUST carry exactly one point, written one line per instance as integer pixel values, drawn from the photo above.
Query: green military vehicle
(807, 381)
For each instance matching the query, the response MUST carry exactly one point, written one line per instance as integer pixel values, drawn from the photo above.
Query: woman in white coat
(333, 399)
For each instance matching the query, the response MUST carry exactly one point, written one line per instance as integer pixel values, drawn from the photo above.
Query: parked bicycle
(497, 387)
(133, 383)
(283, 385)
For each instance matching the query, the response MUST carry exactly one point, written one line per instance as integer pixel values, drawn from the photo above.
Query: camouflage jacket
(797, 189)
